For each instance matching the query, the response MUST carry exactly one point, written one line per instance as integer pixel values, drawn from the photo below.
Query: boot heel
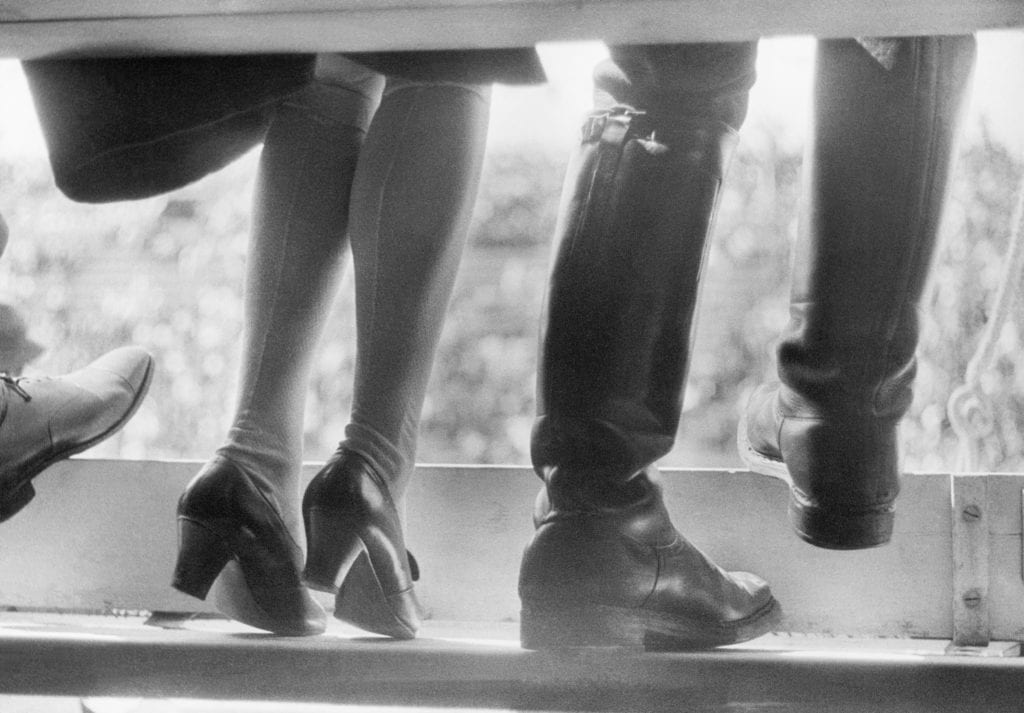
(333, 548)
(826, 528)
(16, 500)
(202, 554)
(546, 627)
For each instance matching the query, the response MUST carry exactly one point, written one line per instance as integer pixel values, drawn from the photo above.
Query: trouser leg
(878, 162)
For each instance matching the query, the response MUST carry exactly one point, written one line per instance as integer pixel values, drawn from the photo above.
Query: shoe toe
(91, 404)
(756, 590)
(132, 365)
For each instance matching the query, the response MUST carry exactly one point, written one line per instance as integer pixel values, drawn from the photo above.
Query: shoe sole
(757, 461)
(822, 527)
(18, 498)
(543, 626)
(362, 602)
(338, 562)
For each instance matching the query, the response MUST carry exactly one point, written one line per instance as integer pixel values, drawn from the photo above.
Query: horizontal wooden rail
(32, 28)
(466, 668)
(100, 536)
(861, 630)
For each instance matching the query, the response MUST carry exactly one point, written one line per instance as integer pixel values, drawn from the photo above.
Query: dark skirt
(129, 128)
(480, 66)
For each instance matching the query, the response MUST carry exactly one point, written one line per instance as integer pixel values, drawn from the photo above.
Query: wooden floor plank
(472, 667)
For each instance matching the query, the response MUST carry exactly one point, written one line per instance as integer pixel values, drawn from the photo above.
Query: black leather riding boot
(606, 566)
(878, 164)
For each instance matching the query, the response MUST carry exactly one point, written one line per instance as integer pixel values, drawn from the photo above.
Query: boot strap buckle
(613, 125)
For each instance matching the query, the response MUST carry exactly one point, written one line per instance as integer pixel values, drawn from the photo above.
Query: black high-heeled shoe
(228, 528)
(357, 549)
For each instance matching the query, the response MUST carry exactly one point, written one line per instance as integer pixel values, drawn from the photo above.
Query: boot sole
(834, 530)
(757, 461)
(544, 626)
(23, 494)
(822, 527)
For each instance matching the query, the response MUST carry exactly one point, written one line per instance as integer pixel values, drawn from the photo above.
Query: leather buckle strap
(613, 126)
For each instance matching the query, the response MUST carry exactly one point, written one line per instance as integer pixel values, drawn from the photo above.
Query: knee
(679, 82)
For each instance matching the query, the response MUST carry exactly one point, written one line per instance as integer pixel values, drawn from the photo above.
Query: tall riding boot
(606, 566)
(878, 164)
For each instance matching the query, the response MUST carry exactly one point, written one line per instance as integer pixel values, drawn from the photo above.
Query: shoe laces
(14, 384)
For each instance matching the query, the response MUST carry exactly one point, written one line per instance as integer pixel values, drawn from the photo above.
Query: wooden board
(484, 668)
(31, 28)
(100, 536)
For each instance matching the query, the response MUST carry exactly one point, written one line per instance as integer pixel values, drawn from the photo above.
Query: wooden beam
(32, 28)
(100, 536)
(471, 669)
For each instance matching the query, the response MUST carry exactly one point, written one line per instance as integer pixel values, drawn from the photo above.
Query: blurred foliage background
(166, 274)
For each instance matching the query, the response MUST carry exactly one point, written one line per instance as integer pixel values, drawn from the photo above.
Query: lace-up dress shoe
(46, 420)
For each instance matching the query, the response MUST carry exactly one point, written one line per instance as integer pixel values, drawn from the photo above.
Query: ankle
(276, 478)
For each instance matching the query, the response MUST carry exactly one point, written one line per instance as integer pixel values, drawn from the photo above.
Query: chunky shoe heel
(357, 549)
(334, 547)
(202, 554)
(543, 626)
(233, 539)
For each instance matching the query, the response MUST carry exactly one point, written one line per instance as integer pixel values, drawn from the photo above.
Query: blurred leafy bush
(166, 274)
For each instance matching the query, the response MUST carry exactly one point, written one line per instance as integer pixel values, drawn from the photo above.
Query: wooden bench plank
(466, 667)
(31, 28)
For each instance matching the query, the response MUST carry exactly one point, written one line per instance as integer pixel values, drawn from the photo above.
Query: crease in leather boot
(877, 171)
(43, 421)
(606, 566)
(612, 570)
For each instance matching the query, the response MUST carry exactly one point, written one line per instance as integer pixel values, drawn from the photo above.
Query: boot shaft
(636, 212)
(876, 173)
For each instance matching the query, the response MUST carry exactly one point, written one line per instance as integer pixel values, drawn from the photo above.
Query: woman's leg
(411, 205)
(295, 258)
(296, 255)
(411, 202)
